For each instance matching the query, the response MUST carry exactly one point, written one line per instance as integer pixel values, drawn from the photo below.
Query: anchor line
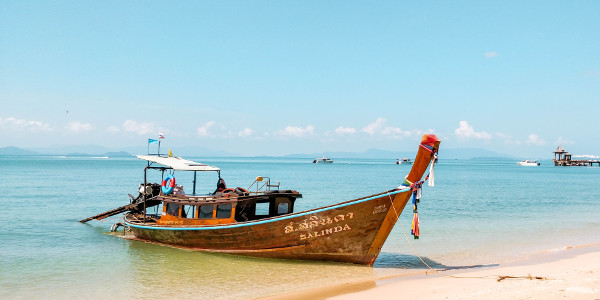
(406, 236)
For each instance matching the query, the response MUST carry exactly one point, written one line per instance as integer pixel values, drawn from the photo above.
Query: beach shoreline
(568, 273)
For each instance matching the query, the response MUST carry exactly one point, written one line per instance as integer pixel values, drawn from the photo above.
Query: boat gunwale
(267, 220)
(211, 199)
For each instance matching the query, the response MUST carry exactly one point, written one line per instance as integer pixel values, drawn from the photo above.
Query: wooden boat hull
(352, 232)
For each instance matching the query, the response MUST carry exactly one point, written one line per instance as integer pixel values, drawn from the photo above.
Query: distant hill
(191, 151)
(117, 154)
(187, 151)
(11, 150)
(73, 150)
(93, 150)
(107, 154)
(472, 153)
(78, 154)
(456, 153)
(371, 153)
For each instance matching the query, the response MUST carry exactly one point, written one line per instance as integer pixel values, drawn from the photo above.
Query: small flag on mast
(161, 136)
(152, 141)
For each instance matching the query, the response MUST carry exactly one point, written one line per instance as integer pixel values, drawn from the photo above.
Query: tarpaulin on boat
(178, 163)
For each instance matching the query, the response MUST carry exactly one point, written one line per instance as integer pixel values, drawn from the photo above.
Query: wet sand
(570, 273)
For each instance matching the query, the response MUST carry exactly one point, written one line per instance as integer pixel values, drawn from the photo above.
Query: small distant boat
(322, 160)
(529, 163)
(404, 161)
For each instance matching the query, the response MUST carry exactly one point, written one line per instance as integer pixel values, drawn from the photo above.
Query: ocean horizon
(195, 151)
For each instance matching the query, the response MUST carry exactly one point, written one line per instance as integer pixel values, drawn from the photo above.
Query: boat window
(283, 208)
(224, 211)
(173, 209)
(283, 205)
(262, 209)
(187, 211)
(206, 212)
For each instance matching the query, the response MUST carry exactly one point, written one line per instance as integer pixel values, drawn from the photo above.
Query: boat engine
(151, 190)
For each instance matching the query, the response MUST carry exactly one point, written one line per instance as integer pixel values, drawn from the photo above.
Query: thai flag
(161, 136)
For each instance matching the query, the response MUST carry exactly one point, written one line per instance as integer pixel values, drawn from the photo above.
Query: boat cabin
(210, 211)
(225, 205)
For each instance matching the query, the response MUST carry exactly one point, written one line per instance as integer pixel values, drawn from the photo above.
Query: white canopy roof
(178, 163)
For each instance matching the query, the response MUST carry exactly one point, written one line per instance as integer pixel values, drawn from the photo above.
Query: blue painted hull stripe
(310, 212)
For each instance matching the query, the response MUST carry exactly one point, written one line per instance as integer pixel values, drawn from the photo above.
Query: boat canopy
(178, 163)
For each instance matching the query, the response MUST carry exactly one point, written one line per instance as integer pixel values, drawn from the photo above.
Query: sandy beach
(572, 273)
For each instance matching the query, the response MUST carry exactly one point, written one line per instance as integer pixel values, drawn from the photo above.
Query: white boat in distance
(403, 161)
(322, 160)
(529, 163)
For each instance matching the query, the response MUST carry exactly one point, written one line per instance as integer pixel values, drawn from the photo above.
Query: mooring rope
(406, 236)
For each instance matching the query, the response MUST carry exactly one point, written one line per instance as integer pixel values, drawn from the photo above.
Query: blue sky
(282, 77)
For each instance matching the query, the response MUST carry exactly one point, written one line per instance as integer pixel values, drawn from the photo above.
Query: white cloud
(246, 132)
(396, 132)
(507, 138)
(79, 127)
(535, 139)
(345, 130)
(38, 126)
(466, 131)
(139, 128)
(212, 129)
(203, 130)
(297, 131)
(491, 54)
(21, 124)
(392, 131)
(378, 127)
(562, 141)
(372, 128)
(503, 136)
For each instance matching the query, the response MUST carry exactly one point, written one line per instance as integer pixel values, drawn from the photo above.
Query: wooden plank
(130, 207)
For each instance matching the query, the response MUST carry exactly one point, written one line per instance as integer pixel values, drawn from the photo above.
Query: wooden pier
(564, 159)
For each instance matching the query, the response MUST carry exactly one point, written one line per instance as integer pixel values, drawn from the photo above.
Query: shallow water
(479, 212)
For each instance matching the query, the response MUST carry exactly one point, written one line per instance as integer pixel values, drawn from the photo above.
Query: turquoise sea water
(478, 212)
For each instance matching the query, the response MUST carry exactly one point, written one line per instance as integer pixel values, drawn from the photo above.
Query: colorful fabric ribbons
(414, 228)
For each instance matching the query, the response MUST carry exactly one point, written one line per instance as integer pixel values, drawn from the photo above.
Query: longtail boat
(260, 221)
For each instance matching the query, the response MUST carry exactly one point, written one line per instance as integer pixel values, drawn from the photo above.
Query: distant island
(11, 150)
(457, 153)
(189, 151)
(16, 151)
(106, 154)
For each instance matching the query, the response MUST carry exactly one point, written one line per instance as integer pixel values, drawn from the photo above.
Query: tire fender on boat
(226, 192)
(168, 184)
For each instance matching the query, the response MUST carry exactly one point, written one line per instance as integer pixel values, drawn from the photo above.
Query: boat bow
(425, 155)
